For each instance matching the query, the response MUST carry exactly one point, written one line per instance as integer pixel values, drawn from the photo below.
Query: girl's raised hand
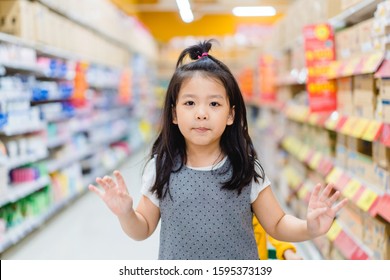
(322, 209)
(114, 194)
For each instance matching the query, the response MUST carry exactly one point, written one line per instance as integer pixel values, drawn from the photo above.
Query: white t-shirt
(149, 178)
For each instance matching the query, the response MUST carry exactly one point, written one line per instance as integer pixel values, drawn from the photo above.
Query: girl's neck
(203, 157)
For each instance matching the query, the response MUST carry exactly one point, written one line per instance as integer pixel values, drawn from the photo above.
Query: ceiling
(211, 17)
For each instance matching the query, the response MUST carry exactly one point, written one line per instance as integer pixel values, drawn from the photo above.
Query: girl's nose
(201, 114)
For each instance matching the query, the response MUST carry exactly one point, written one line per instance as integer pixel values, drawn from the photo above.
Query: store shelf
(12, 131)
(15, 162)
(19, 232)
(360, 11)
(17, 191)
(40, 48)
(82, 22)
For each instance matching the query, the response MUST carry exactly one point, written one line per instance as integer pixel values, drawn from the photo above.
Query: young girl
(203, 179)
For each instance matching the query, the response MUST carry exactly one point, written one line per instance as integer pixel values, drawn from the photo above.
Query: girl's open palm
(322, 209)
(114, 194)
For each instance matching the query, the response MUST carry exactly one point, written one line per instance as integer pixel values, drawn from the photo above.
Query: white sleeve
(256, 188)
(147, 181)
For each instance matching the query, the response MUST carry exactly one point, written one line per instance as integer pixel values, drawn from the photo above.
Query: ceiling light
(185, 10)
(259, 11)
(186, 16)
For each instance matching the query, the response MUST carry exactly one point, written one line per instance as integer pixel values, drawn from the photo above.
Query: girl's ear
(174, 117)
(231, 116)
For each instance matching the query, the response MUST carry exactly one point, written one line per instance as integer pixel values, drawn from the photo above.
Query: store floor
(86, 230)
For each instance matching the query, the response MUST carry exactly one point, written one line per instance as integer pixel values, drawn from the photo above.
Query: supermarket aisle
(86, 229)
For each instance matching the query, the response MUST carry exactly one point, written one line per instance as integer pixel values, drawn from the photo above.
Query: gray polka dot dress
(201, 221)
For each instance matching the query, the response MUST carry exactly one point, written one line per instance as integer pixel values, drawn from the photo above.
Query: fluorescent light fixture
(258, 11)
(186, 16)
(185, 10)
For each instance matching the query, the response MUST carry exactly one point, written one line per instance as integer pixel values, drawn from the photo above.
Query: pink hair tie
(203, 54)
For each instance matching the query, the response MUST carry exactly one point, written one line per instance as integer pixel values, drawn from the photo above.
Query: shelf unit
(86, 124)
(309, 146)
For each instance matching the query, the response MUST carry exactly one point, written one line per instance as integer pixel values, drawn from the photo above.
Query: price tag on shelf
(349, 126)
(315, 160)
(334, 231)
(366, 199)
(303, 191)
(304, 153)
(360, 127)
(313, 118)
(334, 175)
(372, 131)
(331, 122)
(351, 66)
(340, 123)
(371, 62)
(351, 188)
(342, 182)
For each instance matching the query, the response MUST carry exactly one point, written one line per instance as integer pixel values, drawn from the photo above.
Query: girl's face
(202, 111)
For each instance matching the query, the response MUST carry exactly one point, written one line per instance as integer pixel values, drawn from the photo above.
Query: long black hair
(235, 141)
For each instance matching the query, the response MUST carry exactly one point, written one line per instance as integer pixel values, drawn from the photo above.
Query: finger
(102, 183)
(316, 192)
(325, 194)
(333, 198)
(94, 189)
(120, 180)
(340, 205)
(109, 181)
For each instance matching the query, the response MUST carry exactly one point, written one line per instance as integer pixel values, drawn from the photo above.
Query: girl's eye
(189, 103)
(214, 104)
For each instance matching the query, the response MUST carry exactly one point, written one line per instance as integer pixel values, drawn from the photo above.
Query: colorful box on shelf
(384, 70)
(382, 207)
(385, 136)
(345, 244)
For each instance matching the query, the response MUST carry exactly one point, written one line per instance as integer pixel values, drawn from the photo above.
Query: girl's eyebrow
(187, 95)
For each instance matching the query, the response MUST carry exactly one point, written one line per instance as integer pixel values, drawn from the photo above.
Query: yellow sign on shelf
(372, 130)
(351, 188)
(334, 231)
(303, 192)
(366, 199)
(316, 160)
(360, 127)
(349, 126)
(334, 175)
